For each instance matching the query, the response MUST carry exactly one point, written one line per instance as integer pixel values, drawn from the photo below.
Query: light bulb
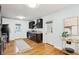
(21, 17)
(33, 5)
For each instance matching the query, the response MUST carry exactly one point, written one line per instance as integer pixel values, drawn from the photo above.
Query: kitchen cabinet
(37, 37)
(36, 24)
(31, 24)
(72, 21)
(72, 25)
(39, 23)
(67, 22)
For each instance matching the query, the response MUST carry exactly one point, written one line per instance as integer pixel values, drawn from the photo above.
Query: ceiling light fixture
(20, 17)
(33, 5)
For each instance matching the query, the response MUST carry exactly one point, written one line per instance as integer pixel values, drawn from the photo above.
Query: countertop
(37, 32)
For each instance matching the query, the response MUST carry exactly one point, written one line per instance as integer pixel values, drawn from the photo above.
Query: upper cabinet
(71, 25)
(36, 23)
(72, 21)
(31, 24)
(67, 22)
(39, 23)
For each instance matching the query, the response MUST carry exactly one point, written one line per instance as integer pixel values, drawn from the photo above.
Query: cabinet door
(74, 21)
(39, 23)
(31, 24)
(68, 22)
(39, 38)
(74, 30)
(33, 37)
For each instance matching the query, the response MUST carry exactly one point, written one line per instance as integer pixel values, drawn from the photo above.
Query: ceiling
(13, 10)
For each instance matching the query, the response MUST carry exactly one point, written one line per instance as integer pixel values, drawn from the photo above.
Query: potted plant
(65, 34)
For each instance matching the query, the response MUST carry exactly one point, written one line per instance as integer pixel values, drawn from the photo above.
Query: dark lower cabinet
(37, 37)
(33, 37)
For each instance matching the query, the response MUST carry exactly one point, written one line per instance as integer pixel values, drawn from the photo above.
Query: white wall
(12, 27)
(58, 24)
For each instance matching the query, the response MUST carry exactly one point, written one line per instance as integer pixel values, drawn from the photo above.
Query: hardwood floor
(9, 50)
(41, 49)
(37, 49)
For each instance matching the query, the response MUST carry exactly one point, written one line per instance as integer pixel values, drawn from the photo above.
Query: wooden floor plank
(41, 49)
(9, 50)
(37, 49)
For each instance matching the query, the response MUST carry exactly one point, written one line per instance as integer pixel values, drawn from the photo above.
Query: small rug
(21, 45)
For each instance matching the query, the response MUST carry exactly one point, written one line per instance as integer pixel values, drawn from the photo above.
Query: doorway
(5, 31)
